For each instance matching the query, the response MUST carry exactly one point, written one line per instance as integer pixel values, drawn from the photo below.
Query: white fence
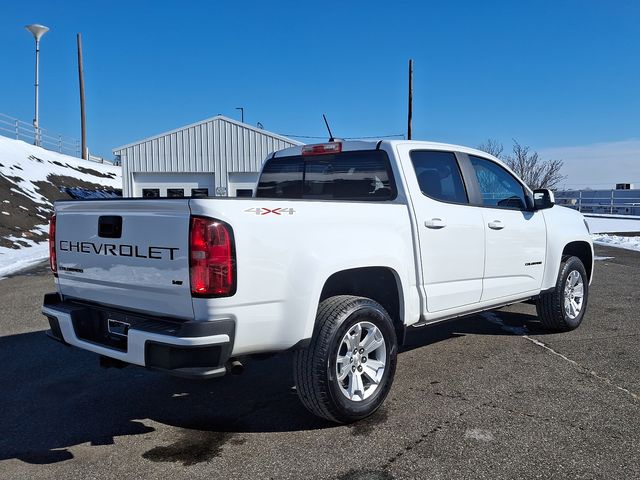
(616, 202)
(20, 130)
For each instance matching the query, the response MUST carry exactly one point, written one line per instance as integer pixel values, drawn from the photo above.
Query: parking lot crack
(582, 368)
(522, 332)
(410, 446)
(425, 437)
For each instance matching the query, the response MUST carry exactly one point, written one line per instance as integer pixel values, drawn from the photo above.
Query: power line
(344, 138)
(393, 135)
(300, 136)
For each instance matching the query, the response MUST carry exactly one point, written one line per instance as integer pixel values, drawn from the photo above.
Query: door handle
(435, 223)
(496, 225)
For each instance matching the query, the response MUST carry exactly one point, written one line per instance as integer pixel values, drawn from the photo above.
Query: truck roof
(351, 145)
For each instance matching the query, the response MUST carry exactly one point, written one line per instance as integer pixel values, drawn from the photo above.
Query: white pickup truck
(342, 248)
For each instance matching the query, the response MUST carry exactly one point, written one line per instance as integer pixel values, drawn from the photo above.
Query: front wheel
(347, 370)
(564, 307)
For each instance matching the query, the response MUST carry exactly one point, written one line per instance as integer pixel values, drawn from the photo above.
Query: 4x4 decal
(272, 211)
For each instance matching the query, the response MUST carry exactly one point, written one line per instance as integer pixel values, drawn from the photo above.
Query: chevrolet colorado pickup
(343, 247)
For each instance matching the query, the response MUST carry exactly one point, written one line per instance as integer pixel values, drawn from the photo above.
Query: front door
(515, 235)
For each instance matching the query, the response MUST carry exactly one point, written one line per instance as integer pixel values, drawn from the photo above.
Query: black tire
(550, 305)
(314, 368)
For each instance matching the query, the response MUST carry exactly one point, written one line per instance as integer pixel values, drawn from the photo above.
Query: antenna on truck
(331, 139)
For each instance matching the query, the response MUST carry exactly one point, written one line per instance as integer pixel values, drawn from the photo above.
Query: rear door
(515, 235)
(450, 232)
(131, 254)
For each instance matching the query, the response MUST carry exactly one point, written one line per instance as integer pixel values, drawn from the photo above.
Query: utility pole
(410, 111)
(83, 125)
(37, 31)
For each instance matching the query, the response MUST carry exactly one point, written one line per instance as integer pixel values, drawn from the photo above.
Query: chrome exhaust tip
(235, 367)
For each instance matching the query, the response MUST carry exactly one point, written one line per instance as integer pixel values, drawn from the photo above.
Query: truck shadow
(489, 323)
(55, 397)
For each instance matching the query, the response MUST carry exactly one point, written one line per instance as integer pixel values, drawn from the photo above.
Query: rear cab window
(363, 175)
(439, 176)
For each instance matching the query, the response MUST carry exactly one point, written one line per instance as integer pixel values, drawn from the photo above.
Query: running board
(424, 323)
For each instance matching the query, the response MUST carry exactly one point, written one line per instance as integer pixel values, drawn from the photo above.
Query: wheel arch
(379, 283)
(584, 252)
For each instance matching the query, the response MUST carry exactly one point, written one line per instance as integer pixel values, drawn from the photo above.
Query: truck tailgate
(130, 254)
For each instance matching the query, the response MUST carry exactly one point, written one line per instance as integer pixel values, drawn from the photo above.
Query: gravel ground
(492, 396)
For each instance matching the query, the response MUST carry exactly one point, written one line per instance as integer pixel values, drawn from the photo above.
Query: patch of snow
(23, 166)
(613, 223)
(13, 260)
(628, 243)
(596, 258)
(29, 158)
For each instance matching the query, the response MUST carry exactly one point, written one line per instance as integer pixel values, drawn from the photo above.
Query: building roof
(217, 118)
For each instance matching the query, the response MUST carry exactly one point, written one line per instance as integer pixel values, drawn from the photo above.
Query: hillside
(31, 179)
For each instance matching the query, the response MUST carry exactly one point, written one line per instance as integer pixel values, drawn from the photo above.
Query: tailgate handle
(110, 226)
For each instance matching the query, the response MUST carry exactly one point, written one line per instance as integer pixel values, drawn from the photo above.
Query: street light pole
(410, 109)
(37, 31)
(83, 123)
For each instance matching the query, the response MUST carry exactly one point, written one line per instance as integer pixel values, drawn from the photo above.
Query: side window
(175, 192)
(199, 192)
(498, 187)
(439, 176)
(244, 192)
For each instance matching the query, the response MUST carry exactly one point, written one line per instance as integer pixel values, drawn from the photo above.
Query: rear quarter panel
(285, 256)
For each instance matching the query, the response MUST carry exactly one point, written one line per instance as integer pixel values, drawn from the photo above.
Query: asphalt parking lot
(492, 396)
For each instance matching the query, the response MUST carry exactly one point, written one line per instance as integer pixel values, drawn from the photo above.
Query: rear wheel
(563, 308)
(347, 371)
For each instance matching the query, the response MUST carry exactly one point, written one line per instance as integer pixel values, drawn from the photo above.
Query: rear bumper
(188, 349)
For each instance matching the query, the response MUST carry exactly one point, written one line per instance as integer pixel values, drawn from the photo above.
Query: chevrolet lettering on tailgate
(156, 253)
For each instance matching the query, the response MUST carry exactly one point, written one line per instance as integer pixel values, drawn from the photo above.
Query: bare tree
(492, 147)
(527, 164)
(536, 172)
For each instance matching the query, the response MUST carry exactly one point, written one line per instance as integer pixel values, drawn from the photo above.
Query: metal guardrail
(14, 128)
(97, 159)
(613, 202)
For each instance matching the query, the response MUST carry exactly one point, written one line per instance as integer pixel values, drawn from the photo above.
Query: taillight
(211, 258)
(53, 261)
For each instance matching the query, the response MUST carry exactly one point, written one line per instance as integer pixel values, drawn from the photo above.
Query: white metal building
(218, 156)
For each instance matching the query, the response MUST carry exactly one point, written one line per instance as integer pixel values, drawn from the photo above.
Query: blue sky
(553, 74)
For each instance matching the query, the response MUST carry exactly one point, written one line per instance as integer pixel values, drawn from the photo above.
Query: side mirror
(543, 198)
